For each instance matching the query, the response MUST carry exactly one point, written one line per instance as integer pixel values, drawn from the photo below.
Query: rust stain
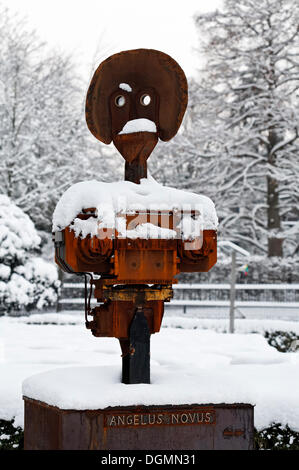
(229, 432)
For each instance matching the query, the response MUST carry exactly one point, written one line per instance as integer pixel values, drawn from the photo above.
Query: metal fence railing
(247, 295)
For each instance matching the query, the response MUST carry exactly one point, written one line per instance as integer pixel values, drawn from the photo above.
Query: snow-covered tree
(239, 143)
(26, 280)
(252, 80)
(45, 145)
(176, 162)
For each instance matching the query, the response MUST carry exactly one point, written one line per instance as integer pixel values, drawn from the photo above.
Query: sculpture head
(136, 97)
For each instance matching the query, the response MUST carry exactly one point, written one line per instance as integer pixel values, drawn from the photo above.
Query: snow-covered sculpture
(135, 235)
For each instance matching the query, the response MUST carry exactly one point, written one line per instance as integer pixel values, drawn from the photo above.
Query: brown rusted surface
(144, 73)
(139, 261)
(201, 260)
(168, 427)
(136, 148)
(147, 71)
(151, 265)
(114, 318)
(89, 254)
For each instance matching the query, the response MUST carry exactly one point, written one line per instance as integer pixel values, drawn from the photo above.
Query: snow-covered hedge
(26, 280)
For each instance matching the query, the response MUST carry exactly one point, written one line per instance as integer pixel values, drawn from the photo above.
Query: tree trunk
(274, 243)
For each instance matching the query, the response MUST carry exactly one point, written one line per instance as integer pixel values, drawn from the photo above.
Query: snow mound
(113, 200)
(125, 86)
(17, 232)
(78, 388)
(139, 125)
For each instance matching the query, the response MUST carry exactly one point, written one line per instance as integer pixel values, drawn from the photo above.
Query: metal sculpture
(145, 87)
(136, 84)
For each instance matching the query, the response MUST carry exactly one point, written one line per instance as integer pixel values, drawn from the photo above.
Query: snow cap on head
(141, 68)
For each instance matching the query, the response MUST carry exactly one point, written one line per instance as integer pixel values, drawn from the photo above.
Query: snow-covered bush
(277, 437)
(281, 340)
(26, 280)
(11, 436)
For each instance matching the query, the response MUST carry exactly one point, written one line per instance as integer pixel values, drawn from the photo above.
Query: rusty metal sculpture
(157, 91)
(136, 275)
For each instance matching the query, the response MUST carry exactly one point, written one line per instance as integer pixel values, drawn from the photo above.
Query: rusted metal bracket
(128, 293)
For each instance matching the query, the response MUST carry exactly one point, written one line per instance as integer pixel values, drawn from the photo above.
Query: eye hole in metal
(145, 100)
(120, 101)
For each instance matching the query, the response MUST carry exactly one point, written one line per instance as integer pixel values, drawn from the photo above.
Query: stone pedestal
(195, 427)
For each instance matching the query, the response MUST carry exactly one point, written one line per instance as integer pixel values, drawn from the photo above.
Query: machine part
(201, 260)
(59, 243)
(113, 318)
(145, 261)
(130, 293)
(131, 261)
(89, 254)
(136, 358)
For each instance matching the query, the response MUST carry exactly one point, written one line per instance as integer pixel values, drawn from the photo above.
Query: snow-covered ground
(192, 360)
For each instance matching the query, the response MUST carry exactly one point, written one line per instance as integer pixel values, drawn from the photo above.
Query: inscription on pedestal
(203, 416)
(161, 427)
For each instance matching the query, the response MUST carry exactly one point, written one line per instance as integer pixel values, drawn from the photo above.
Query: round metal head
(134, 98)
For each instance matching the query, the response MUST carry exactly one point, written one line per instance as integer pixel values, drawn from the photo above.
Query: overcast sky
(98, 28)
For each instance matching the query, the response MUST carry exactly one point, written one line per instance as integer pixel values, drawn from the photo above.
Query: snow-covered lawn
(192, 361)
